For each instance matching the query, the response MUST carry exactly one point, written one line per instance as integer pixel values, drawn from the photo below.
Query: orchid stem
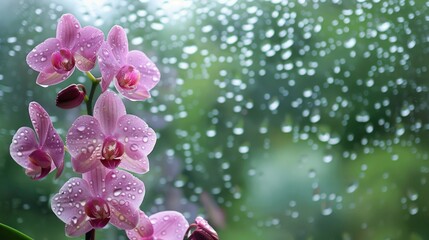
(90, 235)
(89, 99)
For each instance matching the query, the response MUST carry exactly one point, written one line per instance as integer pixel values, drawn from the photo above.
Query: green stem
(88, 99)
(90, 235)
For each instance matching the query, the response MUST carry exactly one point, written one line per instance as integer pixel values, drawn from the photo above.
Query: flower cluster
(107, 145)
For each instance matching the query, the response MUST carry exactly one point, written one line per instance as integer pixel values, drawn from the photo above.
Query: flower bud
(71, 96)
(201, 230)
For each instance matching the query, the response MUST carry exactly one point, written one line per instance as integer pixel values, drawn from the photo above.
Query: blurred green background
(299, 119)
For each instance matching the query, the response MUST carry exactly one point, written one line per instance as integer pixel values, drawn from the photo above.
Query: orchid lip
(98, 211)
(128, 77)
(63, 61)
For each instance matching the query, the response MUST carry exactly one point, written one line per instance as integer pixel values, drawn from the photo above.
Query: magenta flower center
(111, 152)
(98, 212)
(62, 61)
(42, 161)
(128, 77)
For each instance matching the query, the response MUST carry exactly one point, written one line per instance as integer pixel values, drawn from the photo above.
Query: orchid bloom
(134, 72)
(41, 152)
(165, 225)
(98, 198)
(201, 230)
(111, 138)
(55, 58)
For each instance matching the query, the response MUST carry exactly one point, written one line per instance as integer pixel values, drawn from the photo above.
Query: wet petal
(139, 166)
(39, 58)
(117, 39)
(50, 77)
(23, 144)
(107, 110)
(109, 66)
(95, 178)
(40, 120)
(86, 48)
(69, 203)
(136, 135)
(78, 227)
(54, 146)
(168, 225)
(67, 29)
(124, 193)
(138, 94)
(84, 141)
(143, 230)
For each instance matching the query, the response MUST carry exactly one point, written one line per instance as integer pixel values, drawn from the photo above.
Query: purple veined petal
(144, 229)
(109, 66)
(40, 120)
(117, 39)
(50, 77)
(138, 94)
(39, 58)
(54, 146)
(107, 110)
(150, 75)
(78, 227)
(67, 29)
(95, 178)
(136, 135)
(85, 50)
(139, 166)
(124, 193)
(23, 144)
(69, 203)
(168, 225)
(84, 141)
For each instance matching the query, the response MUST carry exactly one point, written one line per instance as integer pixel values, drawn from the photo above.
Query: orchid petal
(49, 77)
(54, 146)
(23, 144)
(138, 94)
(41, 121)
(150, 75)
(136, 135)
(78, 227)
(139, 166)
(143, 230)
(86, 47)
(126, 193)
(67, 29)
(107, 110)
(109, 66)
(117, 39)
(69, 203)
(168, 225)
(39, 58)
(95, 178)
(84, 141)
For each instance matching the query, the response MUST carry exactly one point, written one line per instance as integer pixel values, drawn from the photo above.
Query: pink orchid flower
(111, 137)
(94, 201)
(134, 72)
(38, 158)
(165, 225)
(55, 58)
(201, 230)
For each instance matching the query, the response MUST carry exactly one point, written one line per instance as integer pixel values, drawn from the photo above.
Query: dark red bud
(71, 96)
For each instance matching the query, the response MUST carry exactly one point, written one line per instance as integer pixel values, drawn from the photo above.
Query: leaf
(7, 232)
